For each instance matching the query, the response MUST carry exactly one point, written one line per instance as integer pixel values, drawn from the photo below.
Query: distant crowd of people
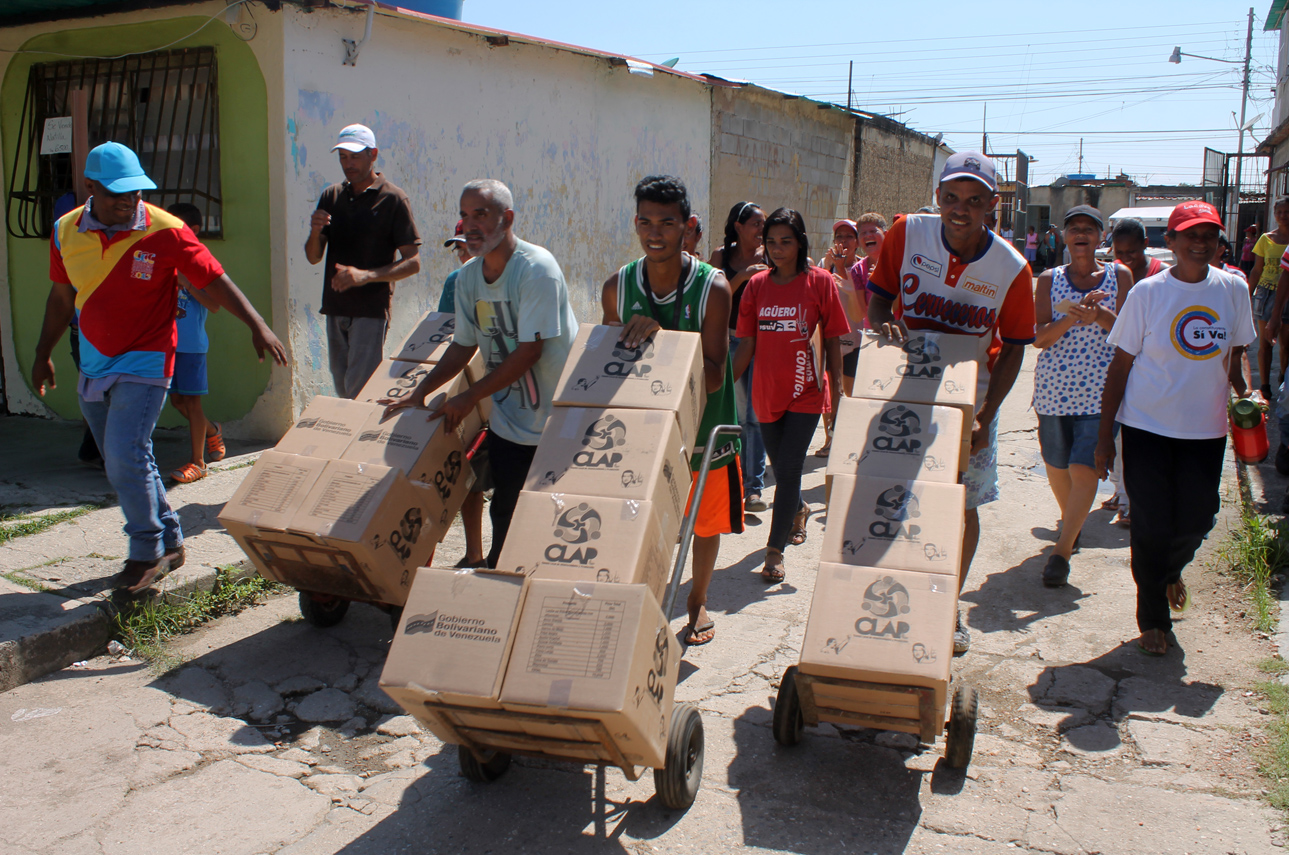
(1133, 379)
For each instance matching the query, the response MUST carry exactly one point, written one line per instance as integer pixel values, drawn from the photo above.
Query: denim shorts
(190, 374)
(1069, 439)
(1264, 301)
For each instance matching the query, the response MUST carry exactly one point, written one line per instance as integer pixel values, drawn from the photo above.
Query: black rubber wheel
(961, 738)
(486, 772)
(677, 783)
(322, 611)
(788, 722)
(395, 615)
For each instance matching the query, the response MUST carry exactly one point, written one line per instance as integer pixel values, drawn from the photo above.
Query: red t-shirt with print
(783, 318)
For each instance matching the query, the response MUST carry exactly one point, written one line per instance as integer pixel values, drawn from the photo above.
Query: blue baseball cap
(117, 168)
(970, 164)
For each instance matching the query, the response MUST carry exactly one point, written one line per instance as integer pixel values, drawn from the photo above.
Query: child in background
(189, 382)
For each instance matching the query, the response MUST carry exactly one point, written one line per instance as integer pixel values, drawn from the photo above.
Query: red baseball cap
(850, 224)
(456, 235)
(1193, 213)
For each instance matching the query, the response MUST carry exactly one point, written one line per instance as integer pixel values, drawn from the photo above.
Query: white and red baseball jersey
(990, 296)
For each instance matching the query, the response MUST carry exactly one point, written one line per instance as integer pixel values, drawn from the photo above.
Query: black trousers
(787, 439)
(1173, 487)
(510, 462)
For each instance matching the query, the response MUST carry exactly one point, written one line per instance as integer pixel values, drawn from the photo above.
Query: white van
(1155, 219)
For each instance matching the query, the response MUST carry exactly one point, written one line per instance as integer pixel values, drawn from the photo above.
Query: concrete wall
(895, 168)
(570, 134)
(777, 151)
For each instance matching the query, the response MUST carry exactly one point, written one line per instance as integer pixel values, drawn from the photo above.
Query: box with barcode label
(601, 652)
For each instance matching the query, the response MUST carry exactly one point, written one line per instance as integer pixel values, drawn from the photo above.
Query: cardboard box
(891, 439)
(589, 538)
(267, 499)
(665, 374)
(453, 642)
(883, 626)
(928, 368)
(395, 379)
(596, 651)
(616, 453)
(359, 532)
(885, 522)
(429, 341)
(326, 427)
(416, 446)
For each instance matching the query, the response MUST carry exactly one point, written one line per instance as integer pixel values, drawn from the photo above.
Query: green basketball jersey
(685, 317)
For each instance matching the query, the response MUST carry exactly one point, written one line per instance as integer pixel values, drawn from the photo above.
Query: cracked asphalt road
(272, 738)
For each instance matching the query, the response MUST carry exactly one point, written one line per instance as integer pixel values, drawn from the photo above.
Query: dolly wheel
(322, 611)
(485, 772)
(788, 722)
(677, 783)
(961, 738)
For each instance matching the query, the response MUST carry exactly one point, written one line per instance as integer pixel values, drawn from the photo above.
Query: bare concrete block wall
(894, 170)
(777, 151)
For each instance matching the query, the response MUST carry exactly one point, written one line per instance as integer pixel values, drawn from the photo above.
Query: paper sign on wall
(57, 138)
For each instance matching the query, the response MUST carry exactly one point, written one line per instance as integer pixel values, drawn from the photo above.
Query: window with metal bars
(164, 105)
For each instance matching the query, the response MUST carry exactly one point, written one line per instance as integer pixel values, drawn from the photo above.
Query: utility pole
(1080, 155)
(850, 76)
(984, 135)
(1233, 208)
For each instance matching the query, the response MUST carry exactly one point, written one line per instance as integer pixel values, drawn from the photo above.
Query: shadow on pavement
(1015, 599)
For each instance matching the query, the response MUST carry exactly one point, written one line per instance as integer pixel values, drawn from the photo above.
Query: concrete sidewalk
(272, 736)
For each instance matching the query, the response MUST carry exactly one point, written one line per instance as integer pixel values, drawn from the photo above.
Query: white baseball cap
(355, 138)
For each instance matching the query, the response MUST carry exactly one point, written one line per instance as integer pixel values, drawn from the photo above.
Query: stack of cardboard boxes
(570, 625)
(350, 503)
(887, 590)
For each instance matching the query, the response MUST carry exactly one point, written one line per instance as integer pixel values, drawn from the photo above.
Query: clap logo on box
(895, 427)
(630, 361)
(604, 435)
(887, 600)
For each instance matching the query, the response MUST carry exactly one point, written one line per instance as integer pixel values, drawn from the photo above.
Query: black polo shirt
(365, 231)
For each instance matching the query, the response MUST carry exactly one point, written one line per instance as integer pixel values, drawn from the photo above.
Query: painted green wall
(236, 378)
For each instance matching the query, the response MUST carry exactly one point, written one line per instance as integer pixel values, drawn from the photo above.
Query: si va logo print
(1197, 333)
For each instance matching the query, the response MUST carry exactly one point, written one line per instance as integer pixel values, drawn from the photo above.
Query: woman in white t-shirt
(1178, 339)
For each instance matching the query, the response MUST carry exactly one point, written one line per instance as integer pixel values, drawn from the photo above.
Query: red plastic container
(1249, 431)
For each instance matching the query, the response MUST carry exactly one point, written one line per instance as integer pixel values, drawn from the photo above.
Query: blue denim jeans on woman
(122, 424)
(752, 456)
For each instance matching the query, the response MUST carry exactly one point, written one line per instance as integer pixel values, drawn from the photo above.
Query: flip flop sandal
(773, 575)
(1186, 600)
(692, 632)
(215, 445)
(1156, 653)
(188, 473)
(1110, 504)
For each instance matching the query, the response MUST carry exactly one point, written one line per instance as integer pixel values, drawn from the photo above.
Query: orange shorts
(721, 511)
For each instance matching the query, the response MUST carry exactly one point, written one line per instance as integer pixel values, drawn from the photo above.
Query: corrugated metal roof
(1275, 15)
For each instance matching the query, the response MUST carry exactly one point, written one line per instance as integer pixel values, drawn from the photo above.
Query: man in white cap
(952, 274)
(114, 263)
(360, 225)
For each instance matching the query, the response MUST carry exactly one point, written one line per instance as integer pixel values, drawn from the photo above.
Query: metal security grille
(163, 105)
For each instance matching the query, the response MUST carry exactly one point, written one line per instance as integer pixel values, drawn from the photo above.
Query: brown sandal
(797, 535)
(776, 574)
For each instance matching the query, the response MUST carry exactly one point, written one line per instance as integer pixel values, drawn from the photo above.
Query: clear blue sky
(1062, 70)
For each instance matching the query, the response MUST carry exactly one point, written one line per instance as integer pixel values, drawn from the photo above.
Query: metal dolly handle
(691, 515)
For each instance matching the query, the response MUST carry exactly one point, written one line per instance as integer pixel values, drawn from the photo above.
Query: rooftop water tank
(442, 8)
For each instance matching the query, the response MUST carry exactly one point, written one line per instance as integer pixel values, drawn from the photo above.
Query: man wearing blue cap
(114, 263)
(359, 225)
(952, 274)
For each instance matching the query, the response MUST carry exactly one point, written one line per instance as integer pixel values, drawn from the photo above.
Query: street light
(1233, 205)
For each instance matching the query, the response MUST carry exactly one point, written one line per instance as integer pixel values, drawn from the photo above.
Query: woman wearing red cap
(1179, 338)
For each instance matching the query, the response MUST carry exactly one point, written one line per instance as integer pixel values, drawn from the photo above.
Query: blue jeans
(752, 457)
(122, 425)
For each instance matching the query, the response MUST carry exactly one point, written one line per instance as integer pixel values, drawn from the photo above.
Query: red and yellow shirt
(127, 289)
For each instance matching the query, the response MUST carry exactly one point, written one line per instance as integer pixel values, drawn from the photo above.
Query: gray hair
(497, 192)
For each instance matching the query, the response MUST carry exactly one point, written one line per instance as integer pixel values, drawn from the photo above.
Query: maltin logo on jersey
(1197, 333)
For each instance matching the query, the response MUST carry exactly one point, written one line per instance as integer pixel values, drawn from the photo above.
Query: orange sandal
(188, 473)
(215, 445)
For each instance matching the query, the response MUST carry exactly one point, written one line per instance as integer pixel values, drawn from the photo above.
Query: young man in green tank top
(670, 289)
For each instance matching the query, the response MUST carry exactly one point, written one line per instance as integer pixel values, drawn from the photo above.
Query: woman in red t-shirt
(780, 311)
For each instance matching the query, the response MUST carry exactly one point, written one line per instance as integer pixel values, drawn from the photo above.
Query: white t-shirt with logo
(1181, 334)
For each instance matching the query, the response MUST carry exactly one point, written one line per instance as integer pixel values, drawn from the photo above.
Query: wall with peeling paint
(570, 134)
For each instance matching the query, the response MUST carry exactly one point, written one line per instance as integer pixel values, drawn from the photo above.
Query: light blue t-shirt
(529, 301)
(190, 322)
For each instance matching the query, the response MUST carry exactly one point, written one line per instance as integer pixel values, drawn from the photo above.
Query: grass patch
(145, 627)
(1273, 665)
(19, 579)
(1274, 763)
(25, 525)
(1253, 553)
